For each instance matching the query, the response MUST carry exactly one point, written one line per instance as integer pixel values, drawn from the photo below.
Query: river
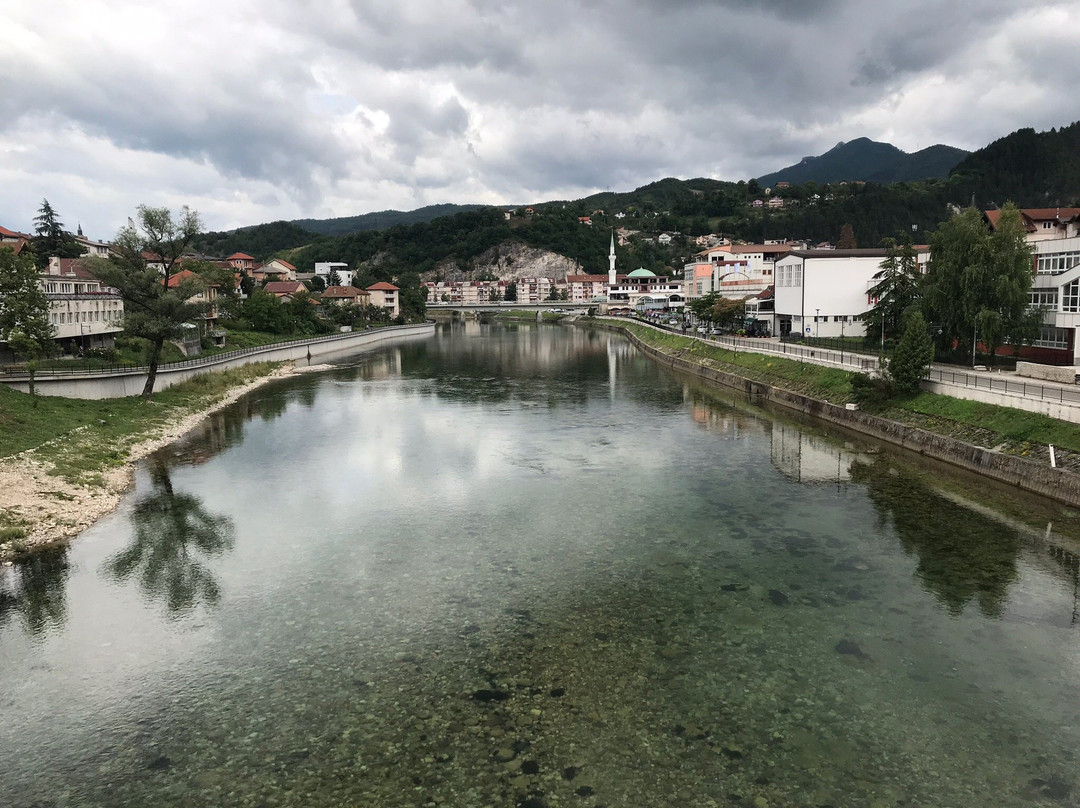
(523, 565)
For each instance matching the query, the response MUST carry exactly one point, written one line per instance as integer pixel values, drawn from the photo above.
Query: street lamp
(817, 316)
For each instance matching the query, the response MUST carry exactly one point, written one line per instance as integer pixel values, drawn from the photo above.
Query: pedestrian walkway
(1003, 388)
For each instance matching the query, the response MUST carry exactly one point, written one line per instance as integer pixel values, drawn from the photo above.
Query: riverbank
(823, 393)
(56, 482)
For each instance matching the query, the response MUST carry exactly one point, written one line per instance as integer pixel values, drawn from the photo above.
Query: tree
(267, 313)
(141, 269)
(333, 278)
(978, 282)
(913, 355)
(24, 312)
(50, 238)
(317, 283)
(896, 290)
(511, 292)
(847, 238)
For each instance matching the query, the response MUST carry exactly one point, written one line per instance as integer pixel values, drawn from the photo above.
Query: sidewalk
(1003, 388)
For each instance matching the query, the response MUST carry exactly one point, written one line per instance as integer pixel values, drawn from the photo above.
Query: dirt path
(55, 510)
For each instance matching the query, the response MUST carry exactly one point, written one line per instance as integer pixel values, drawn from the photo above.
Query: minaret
(611, 262)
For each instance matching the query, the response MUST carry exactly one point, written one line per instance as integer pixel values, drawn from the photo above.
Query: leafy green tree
(318, 284)
(24, 312)
(978, 282)
(702, 307)
(50, 238)
(913, 355)
(303, 313)
(141, 269)
(510, 293)
(267, 313)
(896, 290)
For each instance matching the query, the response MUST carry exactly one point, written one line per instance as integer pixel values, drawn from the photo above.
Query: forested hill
(1028, 168)
(1032, 169)
(869, 161)
(380, 220)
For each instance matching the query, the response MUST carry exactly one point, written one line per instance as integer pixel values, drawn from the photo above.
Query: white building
(824, 293)
(83, 312)
(345, 275)
(1054, 235)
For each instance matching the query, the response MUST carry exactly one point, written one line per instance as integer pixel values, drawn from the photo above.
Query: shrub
(871, 392)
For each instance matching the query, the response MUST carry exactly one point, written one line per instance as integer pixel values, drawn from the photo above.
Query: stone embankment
(1058, 484)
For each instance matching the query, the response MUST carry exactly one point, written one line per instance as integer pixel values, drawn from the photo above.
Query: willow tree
(141, 267)
(978, 281)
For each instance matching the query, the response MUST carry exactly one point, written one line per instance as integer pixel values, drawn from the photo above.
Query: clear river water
(523, 565)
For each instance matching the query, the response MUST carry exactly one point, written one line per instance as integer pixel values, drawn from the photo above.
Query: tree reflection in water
(174, 536)
(963, 555)
(34, 589)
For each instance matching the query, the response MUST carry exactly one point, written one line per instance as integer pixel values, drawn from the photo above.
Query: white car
(702, 329)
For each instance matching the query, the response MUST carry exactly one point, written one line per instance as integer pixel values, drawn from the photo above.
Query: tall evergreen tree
(847, 238)
(50, 238)
(896, 290)
(913, 355)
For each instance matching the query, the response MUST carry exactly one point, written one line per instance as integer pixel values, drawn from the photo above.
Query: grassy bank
(1012, 431)
(530, 316)
(82, 438)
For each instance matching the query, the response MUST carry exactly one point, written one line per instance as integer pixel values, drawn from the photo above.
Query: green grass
(1015, 431)
(1008, 423)
(84, 438)
(545, 316)
(831, 384)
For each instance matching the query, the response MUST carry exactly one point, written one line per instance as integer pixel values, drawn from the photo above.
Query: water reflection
(964, 556)
(174, 537)
(35, 590)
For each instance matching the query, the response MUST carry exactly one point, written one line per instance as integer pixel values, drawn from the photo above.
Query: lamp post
(817, 317)
(843, 320)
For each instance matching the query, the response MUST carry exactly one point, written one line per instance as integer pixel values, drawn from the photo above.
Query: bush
(871, 392)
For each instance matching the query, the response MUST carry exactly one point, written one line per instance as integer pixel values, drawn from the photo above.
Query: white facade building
(823, 293)
(1054, 236)
(324, 268)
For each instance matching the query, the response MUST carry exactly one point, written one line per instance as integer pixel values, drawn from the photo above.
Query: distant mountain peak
(870, 161)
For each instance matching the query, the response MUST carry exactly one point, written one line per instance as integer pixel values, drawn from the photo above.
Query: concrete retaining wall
(120, 384)
(1056, 484)
(1052, 373)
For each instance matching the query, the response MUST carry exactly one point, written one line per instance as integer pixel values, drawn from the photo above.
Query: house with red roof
(385, 295)
(285, 290)
(241, 261)
(343, 295)
(276, 269)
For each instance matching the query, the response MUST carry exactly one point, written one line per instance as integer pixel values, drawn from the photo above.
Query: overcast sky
(256, 110)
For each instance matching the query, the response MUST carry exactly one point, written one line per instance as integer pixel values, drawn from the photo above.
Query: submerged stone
(852, 648)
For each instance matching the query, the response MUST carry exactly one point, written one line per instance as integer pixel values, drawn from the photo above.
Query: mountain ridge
(868, 160)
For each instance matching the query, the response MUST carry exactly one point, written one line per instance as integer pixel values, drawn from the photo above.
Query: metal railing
(1008, 385)
(16, 371)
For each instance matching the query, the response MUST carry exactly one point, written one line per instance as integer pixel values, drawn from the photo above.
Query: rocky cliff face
(509, 261)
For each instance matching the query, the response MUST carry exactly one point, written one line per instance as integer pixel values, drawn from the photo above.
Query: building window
(1070, 297)
(1055, 263)
(1051, 337)
(1043, 298)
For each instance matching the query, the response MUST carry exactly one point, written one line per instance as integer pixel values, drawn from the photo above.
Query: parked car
(702, 329)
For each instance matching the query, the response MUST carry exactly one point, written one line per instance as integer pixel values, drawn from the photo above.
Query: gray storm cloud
(254, 111)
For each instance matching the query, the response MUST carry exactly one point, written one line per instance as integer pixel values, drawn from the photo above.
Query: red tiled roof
(74, 267)
(343, 292)
(12, 233)
(761, 248)
(382, 286)
(284, 287)
(240, 256)
(285, 263)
